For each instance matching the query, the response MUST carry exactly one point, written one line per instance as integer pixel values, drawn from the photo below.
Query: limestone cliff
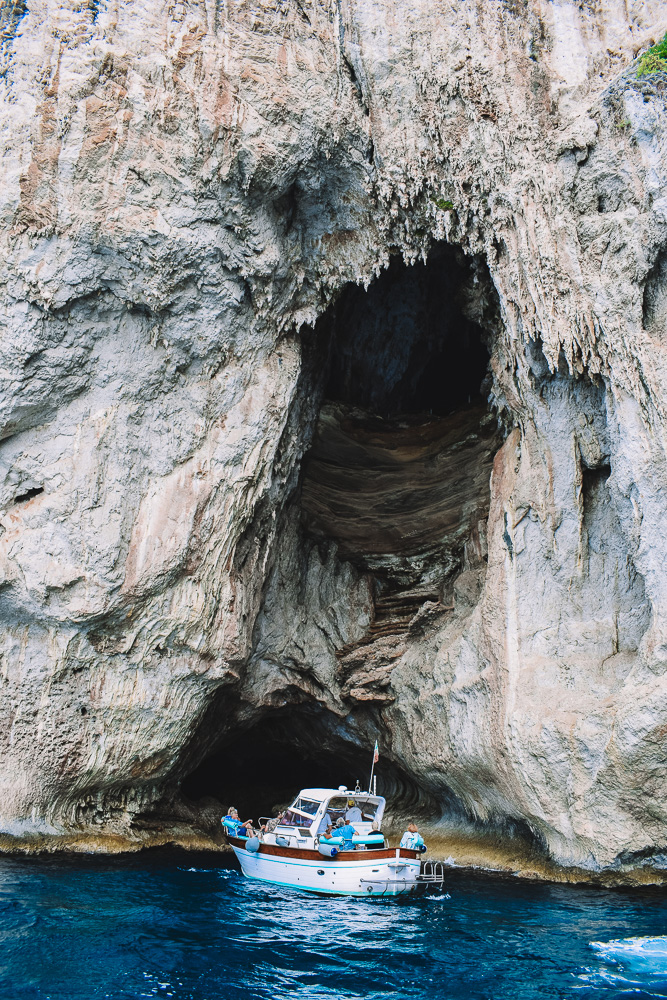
(235, 234)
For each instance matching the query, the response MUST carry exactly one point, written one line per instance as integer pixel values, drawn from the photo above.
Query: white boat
(295, 855)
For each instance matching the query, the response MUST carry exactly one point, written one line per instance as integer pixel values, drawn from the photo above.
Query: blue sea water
(173, 924)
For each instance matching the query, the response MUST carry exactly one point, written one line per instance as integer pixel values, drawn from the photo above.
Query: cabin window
(300, 810)
(338, 806)
(306, 806)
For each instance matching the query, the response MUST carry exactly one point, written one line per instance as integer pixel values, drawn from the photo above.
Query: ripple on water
(164, 924)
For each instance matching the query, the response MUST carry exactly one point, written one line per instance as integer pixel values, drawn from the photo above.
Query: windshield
(302, 809)
(341, 805)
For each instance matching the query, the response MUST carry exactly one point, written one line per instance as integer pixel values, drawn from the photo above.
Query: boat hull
(352, 873)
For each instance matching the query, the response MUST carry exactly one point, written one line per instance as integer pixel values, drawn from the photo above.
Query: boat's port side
(371, 873)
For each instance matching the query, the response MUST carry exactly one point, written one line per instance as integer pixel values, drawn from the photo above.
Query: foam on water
(633, 965)
(208, 871)
(647, 952)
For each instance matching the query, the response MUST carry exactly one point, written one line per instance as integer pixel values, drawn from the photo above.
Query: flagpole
(376, 755)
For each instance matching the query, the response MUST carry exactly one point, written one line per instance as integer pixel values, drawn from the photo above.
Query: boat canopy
(314, 805)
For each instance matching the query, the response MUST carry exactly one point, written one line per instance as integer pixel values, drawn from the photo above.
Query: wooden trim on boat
(384, 854)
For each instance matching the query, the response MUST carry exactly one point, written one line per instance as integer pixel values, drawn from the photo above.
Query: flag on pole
(376, 753)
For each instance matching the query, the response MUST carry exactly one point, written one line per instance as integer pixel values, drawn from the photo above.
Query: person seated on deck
(347, 832)
(328, 833)
(270, 826)
(412, 839)
(231, 821)
(324, 823)
(353, 814)
(233, 824)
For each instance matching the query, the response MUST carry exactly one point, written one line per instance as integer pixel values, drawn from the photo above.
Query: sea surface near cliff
(173, 924)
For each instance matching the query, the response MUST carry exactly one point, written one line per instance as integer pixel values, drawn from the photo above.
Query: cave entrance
(260, 769)
(396, 482)
(398, 473)
(416, 342)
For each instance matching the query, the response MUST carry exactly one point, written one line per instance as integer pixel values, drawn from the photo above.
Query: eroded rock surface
(188, 192)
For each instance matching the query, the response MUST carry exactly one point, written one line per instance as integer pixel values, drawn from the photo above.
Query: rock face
(196, 199)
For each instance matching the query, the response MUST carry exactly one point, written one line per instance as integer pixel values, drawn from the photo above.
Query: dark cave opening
(261, 769)
(35, 491)
(414, 342)
(398, 472)
(397, 477)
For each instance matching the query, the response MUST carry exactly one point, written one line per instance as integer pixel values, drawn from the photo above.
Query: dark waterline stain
(187, 925)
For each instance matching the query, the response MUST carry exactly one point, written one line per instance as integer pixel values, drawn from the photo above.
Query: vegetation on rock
(654, 60)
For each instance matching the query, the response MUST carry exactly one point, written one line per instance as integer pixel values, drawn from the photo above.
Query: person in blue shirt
(231, 821)
(353, 814)
(234, 826)
(347, 832)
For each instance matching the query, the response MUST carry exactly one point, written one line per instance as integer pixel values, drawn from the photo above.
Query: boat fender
(252, 844)
(328, 850)
(422, 848)
(282, 841)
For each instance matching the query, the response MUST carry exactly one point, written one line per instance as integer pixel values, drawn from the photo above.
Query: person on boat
(328, 833)
(326, 821)
(271, 824)
(353, 814)
(347, 832)
(412, 838)
(232, 822)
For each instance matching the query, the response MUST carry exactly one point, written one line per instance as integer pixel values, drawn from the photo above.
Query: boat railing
(431, 873)
(287, 836)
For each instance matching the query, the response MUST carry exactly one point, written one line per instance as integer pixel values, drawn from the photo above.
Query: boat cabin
(314, 808)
